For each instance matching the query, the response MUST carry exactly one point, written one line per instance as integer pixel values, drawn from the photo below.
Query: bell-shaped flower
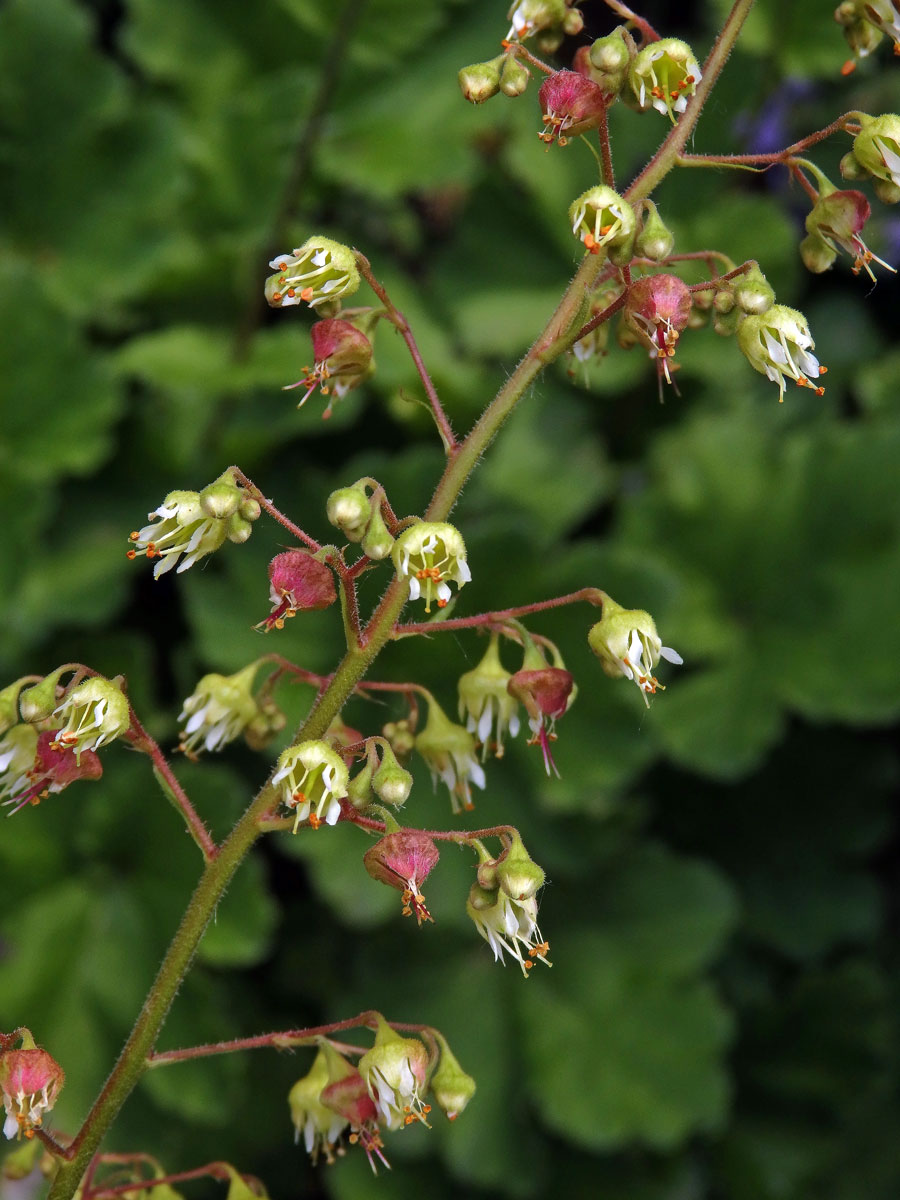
(571, 104)
(837, 219)
(403, 860)
(318, 271)
(508, 926)
(627, 644)
(218, 710)
(486, 704)
(664, 75)
(342, 360)
(312, 780)
(778, 344)
(91, 714)
(52, 769)
(603, 220)
(429, 554)
(659, 307)
(347, 1095)
(449, 751)
(184, 529)
(319, 1126)
(297, 581)
(396, 1075)
(30, 1082)
(877, 147)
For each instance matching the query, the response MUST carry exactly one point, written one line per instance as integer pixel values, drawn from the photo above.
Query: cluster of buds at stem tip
(449, 752)
(342, 360)
(403, 859)
(503, 905)
(318, 272)
(551, 20)
(297, 581)
(505, 73)
(30, 1082)
(429, 554)
(546, 692)
(606, 61)
(311, 780)
(664, 75)
(220, 708)
(489, 709)
(876, 155)
(779, 345)
(570, 104)
(358, 516)
(865, 22)
(659, 307)
(605, 222)
(835, 222)
(194, 524)
(627, 644)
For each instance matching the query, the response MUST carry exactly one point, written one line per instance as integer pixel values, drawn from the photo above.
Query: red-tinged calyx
(545, 692)
(342, 360)
(571, 104)
(55, 767)
(297, 581)
(659, 306)
(403, 860)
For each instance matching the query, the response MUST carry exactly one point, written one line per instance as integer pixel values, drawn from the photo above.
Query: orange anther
(306, 294)
(604, 229)
(823, 370)
(134, 535)
(131, 554)
(282, 266)
(291, 292)
(277, 297)
(314, 821)
(442, 603)
(850, 65)
(688, 79)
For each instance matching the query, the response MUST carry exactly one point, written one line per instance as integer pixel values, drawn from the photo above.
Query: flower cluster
(503, 905)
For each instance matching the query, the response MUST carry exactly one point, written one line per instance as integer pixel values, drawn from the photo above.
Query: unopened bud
(451, 1087)
(403, 860)
(9, 704)
(222, 498)
(480, 81)
(655, 240)
(391, 782)
(517, 872)
(514, 76)
(349, 510)
(752, 292)
(250, 509)
(401, 736)
(851, 168)
(239, 530)
(37, 703)
(377, 542)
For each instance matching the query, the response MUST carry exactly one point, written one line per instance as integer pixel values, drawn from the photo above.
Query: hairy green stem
(550, 344)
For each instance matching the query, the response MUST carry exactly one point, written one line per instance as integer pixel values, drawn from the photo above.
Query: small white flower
(319, 1126)
(218, 710)
(395, 1071)
(428, 554)
(18, 747)
(665, 75)
(601, 218)
(488, 707)
(319, 270)
(627, 644)
(184, 529)
(509, 926)
(449, 751)
(778, 344)
(313, 780)
(91, 714)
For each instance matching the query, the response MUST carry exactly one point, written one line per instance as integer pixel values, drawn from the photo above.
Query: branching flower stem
(141, 740)
(270, 508)
(843, 124)
(588, 595)
(463, 457)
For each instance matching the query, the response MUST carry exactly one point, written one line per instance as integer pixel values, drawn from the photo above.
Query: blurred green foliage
(721, 1016)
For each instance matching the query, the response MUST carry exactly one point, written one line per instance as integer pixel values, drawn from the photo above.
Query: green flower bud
(451, 1087)
(267, 724)
(9, 703)
(359, 789)
(752, 292)
(664, 75)
(37, 703)
(604, 222)
(349, 509)
(320, 270)
(517, 873)
(401, 736)
(851, 168)
(250, 509)
(817, 254)
(611, 56)
(514, 76)
(392, 783)
(222, 498)
(480, 81)
(377, 542)
(239, 530)
(239, 1188)
(887, 191)
(219, 709)
(655, 240)
(725, 324)
(449, 751)
(486, 704)
(877, 147)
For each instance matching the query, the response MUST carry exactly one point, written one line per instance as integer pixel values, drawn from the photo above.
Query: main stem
(550, 344)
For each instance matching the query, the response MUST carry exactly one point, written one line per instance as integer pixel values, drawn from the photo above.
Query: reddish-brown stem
(400, 323)
(273, 511)
(292, 669)
(53, 1145)
(520, 51)
(592, 324)
(707, 286)
(605, 149)
(589, 595)
(282, 1040)
(797, 173)
(460, 836)
(141, 740)
(843, 124)
(648, 33)
(215, 1170)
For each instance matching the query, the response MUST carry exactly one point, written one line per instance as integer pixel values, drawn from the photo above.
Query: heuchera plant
(54, 729)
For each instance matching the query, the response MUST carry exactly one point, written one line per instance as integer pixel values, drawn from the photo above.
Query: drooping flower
(428, 554)
(18, 748)
(509, 926)
(627, 644)
(451, 1087)
(877, 147)
(30, 1082)
(403, 860)
(396, 1072)
(603, 220)
(52, 769)
(92, 714)
(319, 270)
(837, 219)
(312, 780)
(347, 1095)
(319, 1126)
(218, 711)
(779, 345)
(342, 360)
(486, 704)
(665, 75)
(449, 751)
(545, 693)
(570, 104)
(184, 529)
(659, 306)
(297, 581)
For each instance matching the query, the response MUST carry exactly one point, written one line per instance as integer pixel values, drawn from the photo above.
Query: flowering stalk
(589, 595)
(556, 337)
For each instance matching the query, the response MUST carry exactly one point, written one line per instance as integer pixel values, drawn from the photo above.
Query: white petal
(670, 655)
